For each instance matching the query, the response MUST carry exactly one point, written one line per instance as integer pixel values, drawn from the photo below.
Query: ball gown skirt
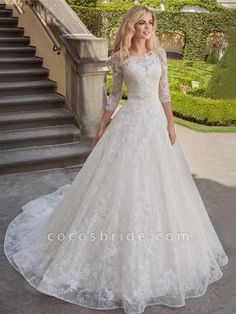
(131, 230)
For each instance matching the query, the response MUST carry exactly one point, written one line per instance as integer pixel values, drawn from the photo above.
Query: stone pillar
(85, 82)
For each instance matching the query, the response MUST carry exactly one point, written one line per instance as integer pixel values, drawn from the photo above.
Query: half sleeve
(116, 91)
(164, 92)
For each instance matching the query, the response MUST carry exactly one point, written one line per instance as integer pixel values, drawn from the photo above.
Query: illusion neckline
(142, 57)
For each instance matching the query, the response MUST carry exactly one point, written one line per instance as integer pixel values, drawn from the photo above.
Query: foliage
(195, 27)
(213, 57)
(222, 84)
(203, 110)
(199, 92)
(83, 3)
(176, 5)
(184, 72)
(116, 4)
(170, 5)
(192, 106)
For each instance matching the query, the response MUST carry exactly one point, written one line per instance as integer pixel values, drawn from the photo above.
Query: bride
(131, 230)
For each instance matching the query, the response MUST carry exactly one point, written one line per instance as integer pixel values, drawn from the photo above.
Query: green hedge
(176, 5)
(197, 109)
(195, 27)
(203, 110)
(182, 71)
(192, 106)
(170, 5)
(83, 3)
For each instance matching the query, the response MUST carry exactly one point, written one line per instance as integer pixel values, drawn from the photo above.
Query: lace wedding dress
(131, 230)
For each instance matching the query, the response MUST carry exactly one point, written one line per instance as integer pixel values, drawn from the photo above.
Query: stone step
(17, 51)
(27, 88)
(11, 31)
(20, 75)
(20, 62)
(14, 41)
(5, 12)
(8, 22)
(45, 157)
(37, 118)
(37, 131)
(38, 136)
(31, 102)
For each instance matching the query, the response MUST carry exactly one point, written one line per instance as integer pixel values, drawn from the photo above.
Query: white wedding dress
(131, 230)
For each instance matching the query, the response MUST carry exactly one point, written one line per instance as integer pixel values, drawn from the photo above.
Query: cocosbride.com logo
(118, 236)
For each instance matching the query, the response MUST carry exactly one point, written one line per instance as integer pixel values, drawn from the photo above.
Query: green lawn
(204, 128)
(191, 110)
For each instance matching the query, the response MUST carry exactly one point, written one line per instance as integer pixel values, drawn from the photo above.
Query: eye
(142, 22)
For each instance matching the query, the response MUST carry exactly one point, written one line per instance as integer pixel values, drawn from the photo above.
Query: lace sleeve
(164, 92)
(117, 74)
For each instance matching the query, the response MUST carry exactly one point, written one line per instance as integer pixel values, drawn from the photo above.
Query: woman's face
(144, 27)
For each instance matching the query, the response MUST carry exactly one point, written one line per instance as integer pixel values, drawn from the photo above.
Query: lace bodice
(144, 77)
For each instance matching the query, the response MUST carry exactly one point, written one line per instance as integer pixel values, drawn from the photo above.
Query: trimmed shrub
(204, 111)
(222, 84)
(213, 57)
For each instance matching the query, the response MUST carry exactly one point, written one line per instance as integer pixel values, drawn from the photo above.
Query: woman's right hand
(99, 133)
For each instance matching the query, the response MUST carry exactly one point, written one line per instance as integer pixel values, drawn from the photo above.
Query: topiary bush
(222, 84)
(213, 57)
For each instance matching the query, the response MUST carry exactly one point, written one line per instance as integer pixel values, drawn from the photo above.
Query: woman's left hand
(172, 134)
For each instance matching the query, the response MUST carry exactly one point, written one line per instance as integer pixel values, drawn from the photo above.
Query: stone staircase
(37, 129)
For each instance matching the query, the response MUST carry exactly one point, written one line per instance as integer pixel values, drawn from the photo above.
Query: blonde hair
(126, 31)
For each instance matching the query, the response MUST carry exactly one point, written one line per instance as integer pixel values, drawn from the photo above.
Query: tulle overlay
(130, 231)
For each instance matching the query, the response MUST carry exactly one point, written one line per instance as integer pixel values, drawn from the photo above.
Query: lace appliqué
(152, 69)
(164, 92)
(116, 92)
